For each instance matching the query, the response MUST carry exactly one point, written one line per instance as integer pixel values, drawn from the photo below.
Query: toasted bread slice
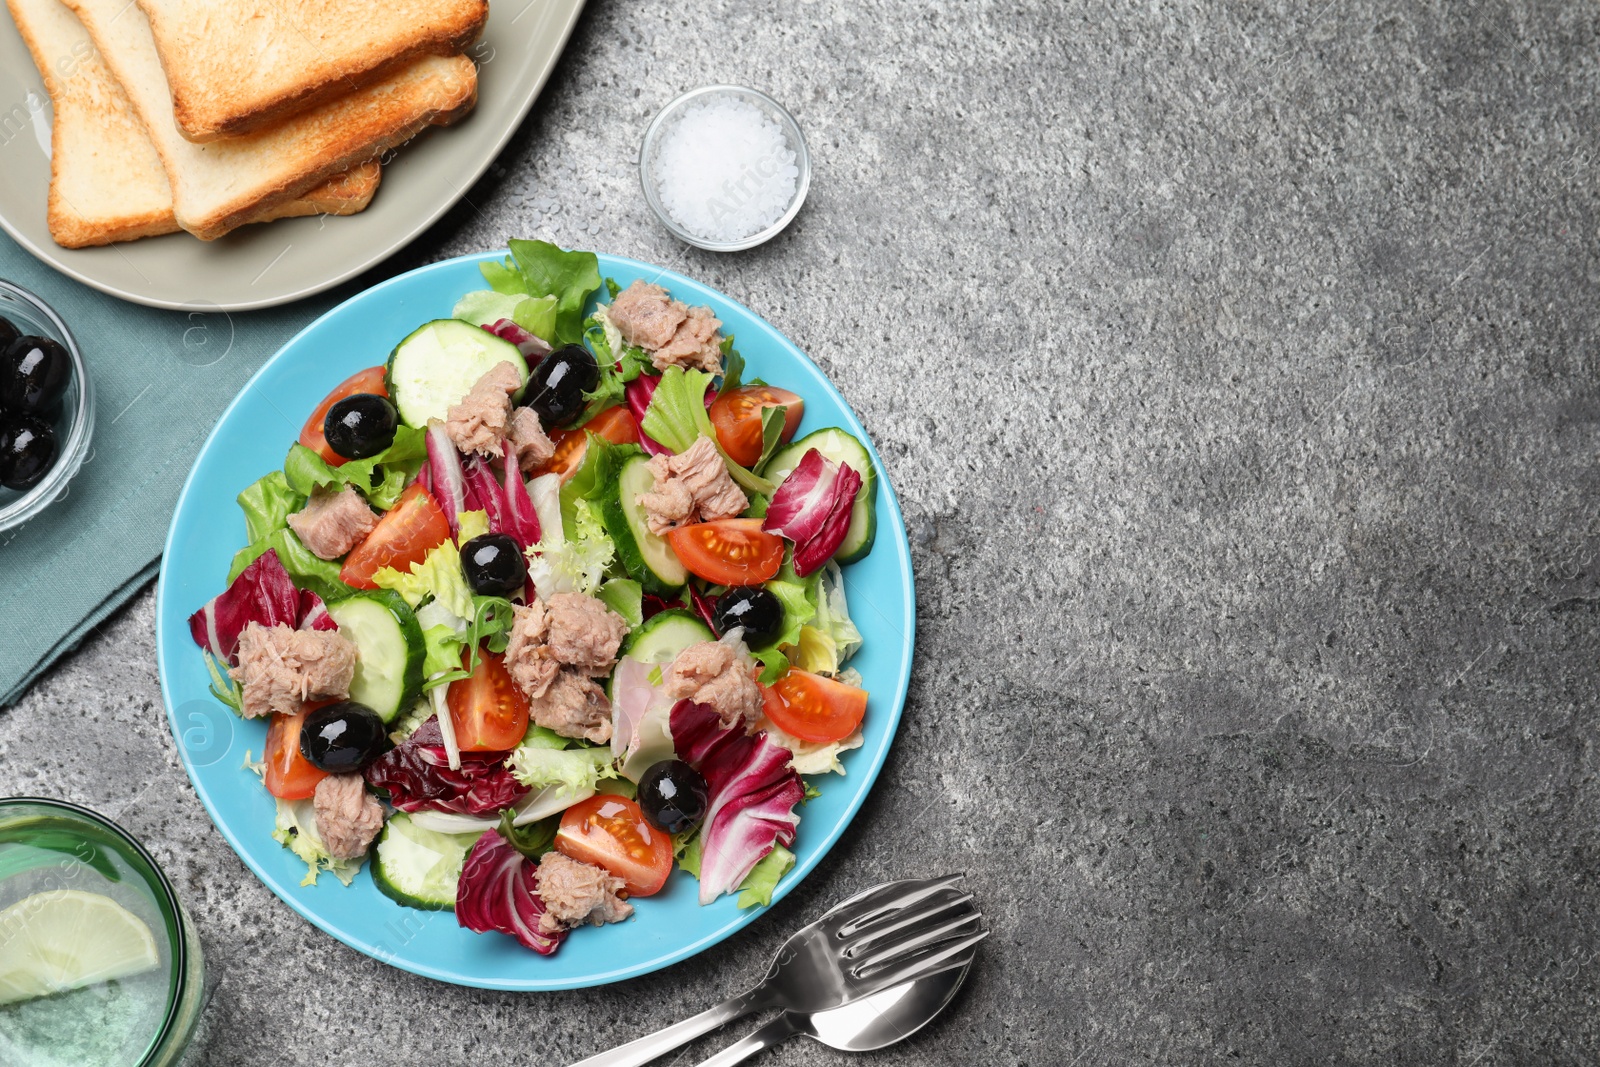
(239, 65)
(106, 181)
(219, 186)
(342, 194)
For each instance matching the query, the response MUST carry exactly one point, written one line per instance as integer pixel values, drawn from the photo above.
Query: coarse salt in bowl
(724, 167)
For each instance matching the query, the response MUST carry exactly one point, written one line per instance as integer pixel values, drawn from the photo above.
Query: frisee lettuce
(574, 770)
(296, 830)
(438, 574)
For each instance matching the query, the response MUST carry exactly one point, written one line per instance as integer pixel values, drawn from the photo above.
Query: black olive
(754, 608)
(8, 333)
(361, 425)
(342, 738)
(556, 386)
(34, 372)
(673, 795)
(493, 565)
(27, 450)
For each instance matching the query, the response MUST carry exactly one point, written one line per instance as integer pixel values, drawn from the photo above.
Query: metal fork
(872, 941)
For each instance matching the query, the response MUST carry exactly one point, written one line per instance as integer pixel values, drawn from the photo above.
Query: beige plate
(260, 266)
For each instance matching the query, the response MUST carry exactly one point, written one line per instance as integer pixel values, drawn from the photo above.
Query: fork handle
(776, 1032)
(643, 1050)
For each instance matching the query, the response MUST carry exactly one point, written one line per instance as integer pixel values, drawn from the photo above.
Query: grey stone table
(1236, 367)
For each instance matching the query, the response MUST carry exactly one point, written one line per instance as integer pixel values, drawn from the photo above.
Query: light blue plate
(253, 437)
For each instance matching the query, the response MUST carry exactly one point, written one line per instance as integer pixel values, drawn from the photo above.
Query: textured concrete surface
(1235, 365)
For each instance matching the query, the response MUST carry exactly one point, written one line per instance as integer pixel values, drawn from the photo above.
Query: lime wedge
(67, 939)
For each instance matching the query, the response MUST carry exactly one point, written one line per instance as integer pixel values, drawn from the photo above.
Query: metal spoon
(872, 1023)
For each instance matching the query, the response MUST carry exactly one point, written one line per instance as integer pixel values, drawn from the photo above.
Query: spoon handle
(643, 1050)
(776, 1032)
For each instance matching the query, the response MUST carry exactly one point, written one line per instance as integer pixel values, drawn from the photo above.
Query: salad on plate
(547, 605)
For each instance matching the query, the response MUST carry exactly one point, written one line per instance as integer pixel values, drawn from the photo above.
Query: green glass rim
(171, 909)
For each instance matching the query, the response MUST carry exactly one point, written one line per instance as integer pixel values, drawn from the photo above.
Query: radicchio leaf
(263, 593)
(314, 613)
(418, 777)
(446, 479)
(532, 347)
(638, 393)
(485, 494)
(499, 890)
(753, 794)
(812, 509)
(522, 521)
(704, 608)
(651, 605)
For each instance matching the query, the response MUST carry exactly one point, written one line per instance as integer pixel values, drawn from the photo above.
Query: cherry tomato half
(410, 530)
(611, 832)
(366, 381)
(736, 416)
(616, 425)
(728, 551)
(814, 708)
(489, 711)
(289, 774)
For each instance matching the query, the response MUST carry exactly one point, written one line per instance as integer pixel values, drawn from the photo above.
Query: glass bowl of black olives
(46, 406)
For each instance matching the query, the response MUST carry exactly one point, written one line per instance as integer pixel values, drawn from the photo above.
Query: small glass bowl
(770, 107)
(74, 424)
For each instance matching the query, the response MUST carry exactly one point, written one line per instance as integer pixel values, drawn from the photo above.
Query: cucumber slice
(435, 366)
(661, 638)
(645, 556)
(419, 868)
(389, 650)
(840, 447)
(664, 635)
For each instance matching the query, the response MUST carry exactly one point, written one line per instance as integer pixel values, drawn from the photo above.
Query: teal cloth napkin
(161, 379)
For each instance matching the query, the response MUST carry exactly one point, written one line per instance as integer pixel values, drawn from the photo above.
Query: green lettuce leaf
(625, 597)
(827, 596)
(677, 415)
(797, 608)
(774, 664)
(532, 840)
(395, 466)
(485, 307)
(759, 885)
(732, 365)
(570, 277)
(687, 850)
(772, 420)
(441, 652)
(267, 504)
(504, 277)
(318, 575)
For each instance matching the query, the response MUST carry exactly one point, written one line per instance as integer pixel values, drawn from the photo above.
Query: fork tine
(869, 911)
(916, 915)
(932, 963)
(888, 894)
(903, 948)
